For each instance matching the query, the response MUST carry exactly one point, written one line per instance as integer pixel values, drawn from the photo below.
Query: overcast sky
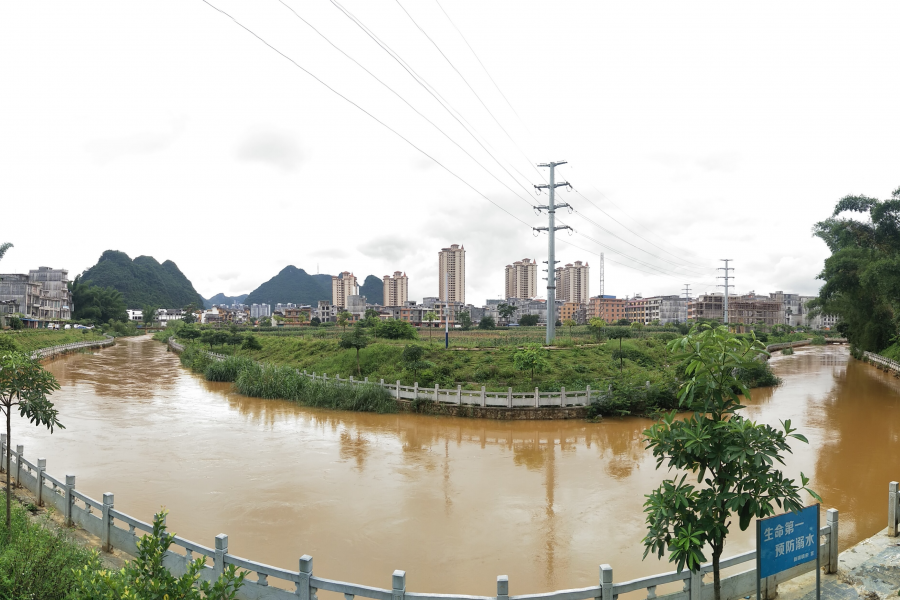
(693, 132)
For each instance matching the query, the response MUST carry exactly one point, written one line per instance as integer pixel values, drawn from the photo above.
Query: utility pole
(726, 277)
(551, 244)
(602, 277)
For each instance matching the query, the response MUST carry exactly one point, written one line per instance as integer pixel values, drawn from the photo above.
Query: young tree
(431, 317)
(569, 324)
(315, 321)
(620, 333)
(487, 323)
(189, 333)
(597, 325)
(343, 318)
(413, 358)
(149, 315)
(25, 385)
(506, 311)
(208, 337)
(251, 343)
(355, 340)
(732, 456)
(465, 320)
(528, 320)
(530, 358)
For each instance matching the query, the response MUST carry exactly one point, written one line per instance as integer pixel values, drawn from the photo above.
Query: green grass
(29, 340)
(35, 561)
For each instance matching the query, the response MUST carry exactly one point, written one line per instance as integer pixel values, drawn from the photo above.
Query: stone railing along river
(121, 531)
(53, 351)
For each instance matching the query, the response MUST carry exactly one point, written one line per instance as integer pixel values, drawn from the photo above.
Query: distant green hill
(291, 285)
(143, 281)
(373, 289)
(299, 287)
(221, 299)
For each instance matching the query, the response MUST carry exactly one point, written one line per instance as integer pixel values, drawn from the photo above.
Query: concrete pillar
(606, 582)
(20, 450)
(39, 492)
(304, 592)
(696, 584)
(67, 511)
(588, 401)
(398, 585)
(106, 522)
(831, 519)
(502, 587)
(416, 391)
(483, 397)
(458, 395)
(892, 507)
(398, 389)
(219, 559)
(562, 396)
(436, 389)
(537, 397)
(509, 398)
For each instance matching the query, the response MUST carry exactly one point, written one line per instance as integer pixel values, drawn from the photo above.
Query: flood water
(454, 502)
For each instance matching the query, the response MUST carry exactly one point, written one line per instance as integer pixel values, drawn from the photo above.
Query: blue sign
(787, 540)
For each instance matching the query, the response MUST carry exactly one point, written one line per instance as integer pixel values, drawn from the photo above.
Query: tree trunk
(8, 453)
(717, 580)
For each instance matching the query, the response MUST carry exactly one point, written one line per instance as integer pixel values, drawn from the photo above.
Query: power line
(426, 86)
(402, 99)
(360, 108)
(449, 62)
(577, 191)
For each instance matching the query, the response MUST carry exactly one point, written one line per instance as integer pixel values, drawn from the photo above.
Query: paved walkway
(870, 569)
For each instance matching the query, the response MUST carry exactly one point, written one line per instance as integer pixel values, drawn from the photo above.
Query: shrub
(36, 562)
(226, 370)
(528, 320)
(757, 374)
(818, 340)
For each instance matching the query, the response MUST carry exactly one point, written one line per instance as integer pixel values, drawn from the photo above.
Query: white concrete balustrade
(118, 530)
(65, 348)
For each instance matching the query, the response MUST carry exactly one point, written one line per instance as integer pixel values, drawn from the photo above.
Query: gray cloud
(724, 162)
(387, 247)
(275, 149)
(107, 150)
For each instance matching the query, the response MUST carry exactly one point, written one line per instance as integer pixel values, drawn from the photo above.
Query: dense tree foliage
(396, 330)
(143, 280)
(528, 320)
(862, 275)
(96, 304)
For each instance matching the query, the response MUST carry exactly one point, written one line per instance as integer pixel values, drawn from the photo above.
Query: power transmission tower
(726, 277)
(551, 229)
(602, 283)
(687, 291)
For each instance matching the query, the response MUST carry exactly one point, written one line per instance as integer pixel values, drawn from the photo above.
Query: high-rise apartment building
(343, 286)
(452, 274)
(521, 279)
(572, 283)
(396, 289)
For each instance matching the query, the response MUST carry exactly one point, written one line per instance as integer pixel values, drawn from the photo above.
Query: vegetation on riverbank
(638, 375)
(36, 561)
(29, 340)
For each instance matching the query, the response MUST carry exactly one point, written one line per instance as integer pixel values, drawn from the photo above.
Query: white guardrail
(885, 362)
(118, 530)
(64, 348)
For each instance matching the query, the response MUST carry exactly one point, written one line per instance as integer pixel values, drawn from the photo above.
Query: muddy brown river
(454, 502)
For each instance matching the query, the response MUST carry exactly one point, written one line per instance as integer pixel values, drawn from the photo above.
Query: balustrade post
(537, 397)
(221, 551)
(588, 401)
(436, 393)
(107, 522)
(3, 463)
(398, 585)
(831, 519)
(398, 389)
(696, 585)
(458, 395)
(483, 397)
(39, 491)
(893, 488)
(350, 380)
(20, 450)
(606, 582)
(67, 509)
(502, 587)
(562, 396)
(304, 589)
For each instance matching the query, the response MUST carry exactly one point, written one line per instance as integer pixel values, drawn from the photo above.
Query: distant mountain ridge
(143, 281)
(222, 299)
(293, 285)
